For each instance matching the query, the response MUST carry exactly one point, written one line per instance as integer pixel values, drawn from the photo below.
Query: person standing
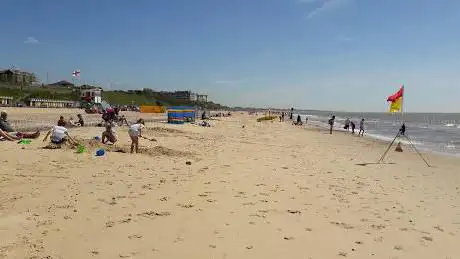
(347, 124)
(135, 133)
(353, 126)
(331, 124)
(361, 127)
(402, 130)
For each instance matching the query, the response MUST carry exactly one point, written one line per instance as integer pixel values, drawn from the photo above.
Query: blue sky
(313, 54)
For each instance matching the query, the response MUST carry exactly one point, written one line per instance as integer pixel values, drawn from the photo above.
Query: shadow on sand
(374, 163)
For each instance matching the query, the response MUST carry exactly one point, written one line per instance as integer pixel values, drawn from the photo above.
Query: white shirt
(135, 128)
(58, 133)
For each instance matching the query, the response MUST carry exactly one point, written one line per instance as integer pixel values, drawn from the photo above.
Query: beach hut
(189, 114)
(6, 100)
(175, 115)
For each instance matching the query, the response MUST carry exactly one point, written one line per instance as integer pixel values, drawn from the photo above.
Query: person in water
(361, 127)
(331, 124)
(402, 130)
(347, 124)
(353, 126)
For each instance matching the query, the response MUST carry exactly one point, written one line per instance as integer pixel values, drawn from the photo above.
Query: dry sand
(269, 190)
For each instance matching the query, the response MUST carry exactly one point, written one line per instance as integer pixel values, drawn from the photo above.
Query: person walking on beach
(353, 126)
(135, 133)
(331, 123)
(299, 120)
(347, 124)
(361, 127)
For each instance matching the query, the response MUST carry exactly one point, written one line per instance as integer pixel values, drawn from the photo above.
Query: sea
(429, 132)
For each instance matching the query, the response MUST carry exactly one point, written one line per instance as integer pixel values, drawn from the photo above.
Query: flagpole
(402, 103)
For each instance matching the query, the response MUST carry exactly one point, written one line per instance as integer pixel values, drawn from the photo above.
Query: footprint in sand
(427, 238)
(109, 224)
(398, 247)
(127, 220)
(342, 225)
(136, 236)
(186, 205)
(439, 228)
(153, 214)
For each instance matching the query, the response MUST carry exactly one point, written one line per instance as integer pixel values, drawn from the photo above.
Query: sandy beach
(268, 190)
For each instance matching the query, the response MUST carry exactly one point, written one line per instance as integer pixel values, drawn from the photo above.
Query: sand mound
(165, 130)
(153, 151)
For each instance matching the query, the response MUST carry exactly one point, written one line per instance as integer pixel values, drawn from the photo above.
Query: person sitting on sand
(61, 122)
(109, 134)
(135, 133)
(72, 123)
(59, 135)
(80, 122)
(204, 124)
(7, 132)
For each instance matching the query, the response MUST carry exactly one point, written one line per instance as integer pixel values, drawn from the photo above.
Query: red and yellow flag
(396, 100)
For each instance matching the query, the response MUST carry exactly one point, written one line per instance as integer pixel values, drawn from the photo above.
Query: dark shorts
(58, 142)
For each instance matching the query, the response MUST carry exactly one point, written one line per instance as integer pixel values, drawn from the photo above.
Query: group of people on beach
(59, 134)
(349, 124)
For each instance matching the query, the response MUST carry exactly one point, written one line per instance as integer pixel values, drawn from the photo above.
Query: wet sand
(268, 190)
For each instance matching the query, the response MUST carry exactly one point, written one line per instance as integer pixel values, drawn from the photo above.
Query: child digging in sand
(59, 136)
(135, 133)
(109, 134)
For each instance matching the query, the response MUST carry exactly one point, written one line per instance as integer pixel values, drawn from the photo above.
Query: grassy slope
(112, 97)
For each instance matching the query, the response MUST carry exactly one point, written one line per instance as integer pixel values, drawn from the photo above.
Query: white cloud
(31, 40)
(328, 6)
